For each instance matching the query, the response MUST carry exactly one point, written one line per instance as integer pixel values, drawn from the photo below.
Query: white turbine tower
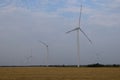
(79, 29)
(47, 55)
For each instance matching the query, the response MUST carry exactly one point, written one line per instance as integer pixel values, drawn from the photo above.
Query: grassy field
(58, 73)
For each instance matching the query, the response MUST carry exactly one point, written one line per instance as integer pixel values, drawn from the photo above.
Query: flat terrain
(58, 73)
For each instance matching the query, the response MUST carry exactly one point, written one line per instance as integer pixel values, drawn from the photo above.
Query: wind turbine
(78, 29)
(47, 51)
(29, 57)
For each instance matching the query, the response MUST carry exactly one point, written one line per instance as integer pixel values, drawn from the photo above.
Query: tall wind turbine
(47, 51)
(77, 29)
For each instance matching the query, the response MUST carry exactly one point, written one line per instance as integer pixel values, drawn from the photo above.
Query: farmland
(59, 73)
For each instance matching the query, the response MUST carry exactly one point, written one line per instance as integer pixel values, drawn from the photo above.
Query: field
(58, 73)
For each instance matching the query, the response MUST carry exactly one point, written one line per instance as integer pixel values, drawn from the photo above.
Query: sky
(24, 22)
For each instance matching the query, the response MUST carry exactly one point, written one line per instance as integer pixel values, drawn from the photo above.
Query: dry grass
(51, 73)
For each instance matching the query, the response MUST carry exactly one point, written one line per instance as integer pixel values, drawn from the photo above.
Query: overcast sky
(24, 22)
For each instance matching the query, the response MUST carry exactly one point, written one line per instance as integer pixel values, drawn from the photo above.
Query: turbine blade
(43, 43)
(73, 30)
(86, 35)
(80, 15)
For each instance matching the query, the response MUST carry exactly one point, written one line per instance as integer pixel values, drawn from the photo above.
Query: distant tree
(95, 65)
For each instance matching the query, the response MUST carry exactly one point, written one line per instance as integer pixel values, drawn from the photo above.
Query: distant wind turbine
(29, 57)
(47, 51)
(79, 29)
